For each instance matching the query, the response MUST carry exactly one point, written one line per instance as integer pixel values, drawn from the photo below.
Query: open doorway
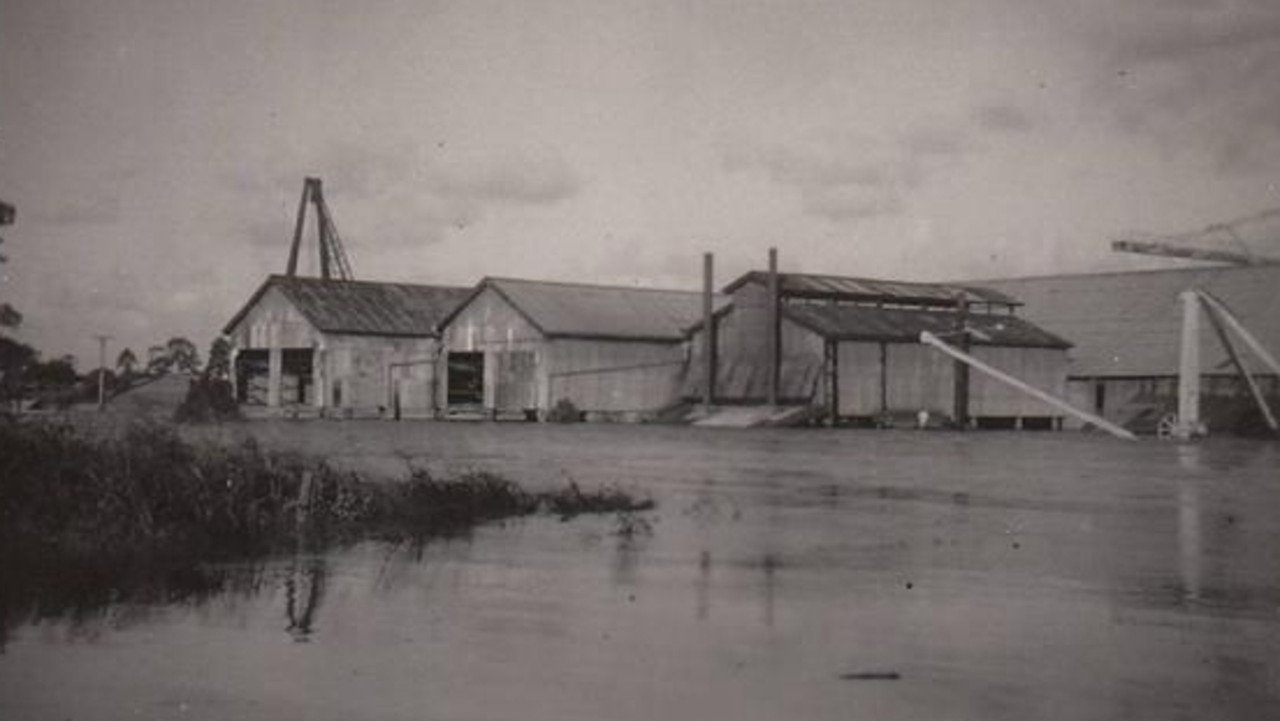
(465, 379)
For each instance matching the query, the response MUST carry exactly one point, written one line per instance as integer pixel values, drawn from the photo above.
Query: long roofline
(972, 288)
(495, 282)
(1137, 271)
(275, 277)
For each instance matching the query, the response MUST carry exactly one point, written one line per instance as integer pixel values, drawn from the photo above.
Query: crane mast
(1190, 245)
(333, 258)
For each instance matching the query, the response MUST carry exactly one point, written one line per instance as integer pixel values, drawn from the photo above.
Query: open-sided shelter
(852, 347)
(354, 348)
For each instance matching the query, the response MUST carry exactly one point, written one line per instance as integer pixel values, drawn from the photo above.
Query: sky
(156, 149)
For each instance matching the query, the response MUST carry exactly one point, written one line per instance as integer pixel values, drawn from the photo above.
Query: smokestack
(708, 330)
(775, 328)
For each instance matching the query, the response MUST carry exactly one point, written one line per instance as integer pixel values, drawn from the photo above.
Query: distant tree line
(56, 382)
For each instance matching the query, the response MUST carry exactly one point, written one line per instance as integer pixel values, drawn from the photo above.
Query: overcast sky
(155, 149)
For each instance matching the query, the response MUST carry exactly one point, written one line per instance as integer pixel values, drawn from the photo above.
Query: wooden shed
(851, 346)
(517, 348)
(308, 346)
(1127, 328)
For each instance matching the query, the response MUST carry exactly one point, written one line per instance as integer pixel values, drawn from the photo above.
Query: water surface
(785, 574)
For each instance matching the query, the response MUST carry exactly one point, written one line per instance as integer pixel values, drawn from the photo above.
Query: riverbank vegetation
(150, 492)
(95, 514)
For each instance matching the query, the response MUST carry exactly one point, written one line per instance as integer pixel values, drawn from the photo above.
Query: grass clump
(150, 494)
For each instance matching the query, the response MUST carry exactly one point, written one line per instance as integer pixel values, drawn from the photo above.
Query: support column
(319, 377)
(1189, 368)
(775, 335)
(708, 331)
(884, 377)
(961, 369)
(275, 374)
(833, 360)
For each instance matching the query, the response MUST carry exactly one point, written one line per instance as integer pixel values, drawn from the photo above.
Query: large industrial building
(1127, 332)
(312, 346)
(851, 346)
(519, 348)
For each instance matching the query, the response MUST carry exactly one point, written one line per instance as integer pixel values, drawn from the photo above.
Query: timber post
(708, 331)
(961, 369)
(774, 332)
(1188, 424)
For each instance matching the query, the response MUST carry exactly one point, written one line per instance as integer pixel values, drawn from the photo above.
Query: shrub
(564, 411)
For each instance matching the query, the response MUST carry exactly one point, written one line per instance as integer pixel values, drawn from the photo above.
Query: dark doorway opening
(298, 377)
(466, 379)
(253, 369)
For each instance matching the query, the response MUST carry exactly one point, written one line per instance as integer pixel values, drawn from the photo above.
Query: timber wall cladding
(275, 322)
(363, 365)
(616, 376)
(514, 351)
(1043, 368)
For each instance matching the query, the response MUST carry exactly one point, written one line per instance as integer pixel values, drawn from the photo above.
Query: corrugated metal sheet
(899, 325)
(1130, 324)
(605, 312)
(364, 307)
(842, 287)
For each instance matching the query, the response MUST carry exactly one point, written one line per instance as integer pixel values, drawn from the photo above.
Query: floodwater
(785, 574)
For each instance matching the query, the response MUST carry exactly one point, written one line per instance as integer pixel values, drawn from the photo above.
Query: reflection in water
(85, 596)
(769, 565)
(1190, 540)
(304, 591)
(523, 621)
(703, 585)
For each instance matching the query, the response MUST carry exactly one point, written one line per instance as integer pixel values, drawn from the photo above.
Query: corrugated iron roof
(606, 312)
(903, 325)
(364, 307)
(1130, 324)
(862, 289)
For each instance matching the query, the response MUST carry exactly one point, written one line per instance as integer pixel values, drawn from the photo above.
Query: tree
(183, 354)
(9, 316)
(126, 363)
(219, 366)
(16, 360)
(158, 360)
(57, 373)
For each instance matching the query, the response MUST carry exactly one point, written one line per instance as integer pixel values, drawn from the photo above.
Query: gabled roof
(904, 325)
(1130, 324)
(835, 287)
(363, 307)
(576, 310)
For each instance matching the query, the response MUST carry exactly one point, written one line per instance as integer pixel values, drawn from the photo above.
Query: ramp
(755, 416)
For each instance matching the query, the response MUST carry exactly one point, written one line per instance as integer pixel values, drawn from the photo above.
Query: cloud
(402, 194)
(514, 177)
(101, 209)
(1195, 76)
(843, 178)
(1002, 118)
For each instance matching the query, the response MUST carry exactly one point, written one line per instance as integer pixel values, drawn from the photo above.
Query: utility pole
(102, 371)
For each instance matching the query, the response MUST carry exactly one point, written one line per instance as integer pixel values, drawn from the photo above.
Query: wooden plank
(1172, 251)
(930, 339)
(1256, 392)
(1188, 424)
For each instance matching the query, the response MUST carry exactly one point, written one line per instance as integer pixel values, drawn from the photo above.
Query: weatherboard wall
(616, 377)
(490, 325)
(526, 370)
(352, 374)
